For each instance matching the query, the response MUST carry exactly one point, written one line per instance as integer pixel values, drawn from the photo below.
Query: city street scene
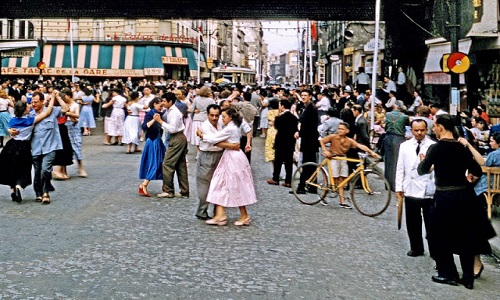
(250, 150)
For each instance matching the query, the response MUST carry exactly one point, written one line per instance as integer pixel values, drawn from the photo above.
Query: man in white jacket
(417, 190)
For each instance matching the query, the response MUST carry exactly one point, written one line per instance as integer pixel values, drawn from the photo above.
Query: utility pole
(454, 28)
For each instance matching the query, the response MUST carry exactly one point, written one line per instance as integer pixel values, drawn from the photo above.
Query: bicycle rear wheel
(314, 188)
(376, 198)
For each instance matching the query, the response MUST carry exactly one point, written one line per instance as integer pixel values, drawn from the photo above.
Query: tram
(244, 76)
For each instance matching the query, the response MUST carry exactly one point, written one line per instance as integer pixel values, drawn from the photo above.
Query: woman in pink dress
(232, 182)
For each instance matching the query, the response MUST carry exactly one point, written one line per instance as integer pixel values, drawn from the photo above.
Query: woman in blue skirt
(154, 149)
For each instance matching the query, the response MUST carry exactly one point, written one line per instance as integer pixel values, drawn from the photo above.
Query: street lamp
(210, 65)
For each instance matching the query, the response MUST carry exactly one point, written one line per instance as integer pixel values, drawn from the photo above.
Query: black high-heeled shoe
(476, 276)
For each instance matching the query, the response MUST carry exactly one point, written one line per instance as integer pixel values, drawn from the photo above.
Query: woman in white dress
(132, 125)
(114, 124)
(263, 116)
(199, 107)
(232, 183)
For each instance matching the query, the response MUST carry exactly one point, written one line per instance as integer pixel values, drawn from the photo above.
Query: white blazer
(407, 178)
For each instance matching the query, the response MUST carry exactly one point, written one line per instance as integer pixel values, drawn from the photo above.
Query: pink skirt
(232, 182)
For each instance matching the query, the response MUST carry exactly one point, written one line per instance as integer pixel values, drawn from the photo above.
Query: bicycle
(370, 191)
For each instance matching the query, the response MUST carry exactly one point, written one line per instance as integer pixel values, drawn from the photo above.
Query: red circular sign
(41, 65)
(458, 62)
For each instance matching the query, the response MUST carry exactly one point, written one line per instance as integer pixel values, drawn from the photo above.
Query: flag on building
(314, 31)
(201, 33)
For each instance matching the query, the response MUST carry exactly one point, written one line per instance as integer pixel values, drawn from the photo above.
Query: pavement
(98, 239)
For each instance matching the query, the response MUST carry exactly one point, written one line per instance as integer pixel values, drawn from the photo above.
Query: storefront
(108, 60)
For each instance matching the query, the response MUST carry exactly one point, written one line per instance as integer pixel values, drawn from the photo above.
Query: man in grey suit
(207, 160)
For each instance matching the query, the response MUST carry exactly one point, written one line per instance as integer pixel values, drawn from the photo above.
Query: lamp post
(210, 61)
(41, 43)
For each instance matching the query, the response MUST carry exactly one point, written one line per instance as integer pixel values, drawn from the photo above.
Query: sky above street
(281, 36)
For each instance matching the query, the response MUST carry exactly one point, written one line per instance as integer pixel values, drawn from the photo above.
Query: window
(31, 30)
(10, 29)
(22, 30)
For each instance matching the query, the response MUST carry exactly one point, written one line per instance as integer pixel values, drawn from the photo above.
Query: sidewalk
(495, 242)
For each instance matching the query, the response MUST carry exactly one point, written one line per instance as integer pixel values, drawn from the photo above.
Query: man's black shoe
(413, 253)
(203, 218)
(469, 284)
(444, 280)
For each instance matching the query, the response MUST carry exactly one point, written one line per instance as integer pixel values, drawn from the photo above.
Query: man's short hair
(286, 104)
(213, 106)
(308, 91)
(358, 108)
(169, 97)
(346, 125)
(417, 121)
(39, 94)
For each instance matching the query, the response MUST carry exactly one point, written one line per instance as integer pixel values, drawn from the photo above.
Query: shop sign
(77, 72)
(349, 51)
(370, 46)
(18, 53)
(170, 60)
(154, 71)
(334, 57)
(441, 78)
(156, 37)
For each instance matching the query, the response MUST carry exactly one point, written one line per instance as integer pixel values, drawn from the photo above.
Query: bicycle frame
(335, 187)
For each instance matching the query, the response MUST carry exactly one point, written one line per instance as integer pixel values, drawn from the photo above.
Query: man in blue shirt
(44, 143)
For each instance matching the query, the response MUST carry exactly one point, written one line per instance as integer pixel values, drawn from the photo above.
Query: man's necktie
(418, 147)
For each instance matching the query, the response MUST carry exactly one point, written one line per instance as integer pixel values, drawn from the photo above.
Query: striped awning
(102, 60)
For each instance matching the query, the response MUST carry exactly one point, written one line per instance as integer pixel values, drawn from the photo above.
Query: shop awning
(432, 69)
(100, 60)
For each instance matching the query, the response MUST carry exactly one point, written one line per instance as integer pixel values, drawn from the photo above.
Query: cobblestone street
(98, 239)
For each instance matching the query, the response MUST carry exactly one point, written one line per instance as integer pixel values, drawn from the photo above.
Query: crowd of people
(419, 141)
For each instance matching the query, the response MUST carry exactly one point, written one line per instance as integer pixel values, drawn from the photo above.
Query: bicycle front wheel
(310, 183)
(374, 197)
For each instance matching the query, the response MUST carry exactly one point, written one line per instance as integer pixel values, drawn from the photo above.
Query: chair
(493, 181)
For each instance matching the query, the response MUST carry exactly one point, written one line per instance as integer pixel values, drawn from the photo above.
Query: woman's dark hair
(333, 112)
(87, 92)
(134, 95)
(154, 101)
(19, 108)
(496, 137)
(234, 115)
(480, 120)
(446, 121)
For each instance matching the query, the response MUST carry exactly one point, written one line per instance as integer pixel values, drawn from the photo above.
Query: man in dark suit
(309, 136)
(286, 125)
(361, 130)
